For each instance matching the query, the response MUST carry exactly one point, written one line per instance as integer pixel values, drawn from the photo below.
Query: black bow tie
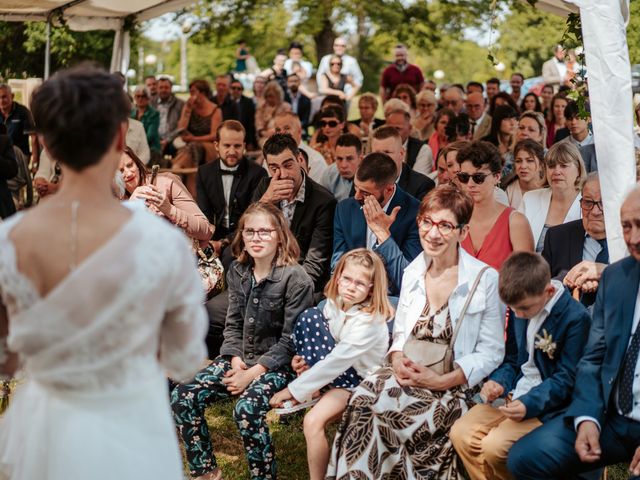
(228, 172)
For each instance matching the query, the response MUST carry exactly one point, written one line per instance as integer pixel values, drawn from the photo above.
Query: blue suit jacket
(608, 341)
(397, 252)
(568, 323)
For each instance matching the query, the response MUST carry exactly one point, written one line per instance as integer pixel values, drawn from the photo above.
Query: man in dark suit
(387, 140)
(224, 187)
(538, 380)
(602, 424)
(307, 206)
(577, 251)
(381, 217)
(246, 112)
(8, 170)
(300, 103)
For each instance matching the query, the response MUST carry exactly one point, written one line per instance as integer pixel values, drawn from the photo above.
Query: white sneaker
(291, 406)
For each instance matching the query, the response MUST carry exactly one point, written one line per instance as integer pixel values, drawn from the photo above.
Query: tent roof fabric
(559, 7)
(88, 14)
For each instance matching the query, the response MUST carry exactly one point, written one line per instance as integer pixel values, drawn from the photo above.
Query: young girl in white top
(336, 348)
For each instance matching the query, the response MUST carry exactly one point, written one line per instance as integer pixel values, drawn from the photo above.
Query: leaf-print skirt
(400, 433)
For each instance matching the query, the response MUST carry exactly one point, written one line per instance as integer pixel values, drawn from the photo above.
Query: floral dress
(394, 432)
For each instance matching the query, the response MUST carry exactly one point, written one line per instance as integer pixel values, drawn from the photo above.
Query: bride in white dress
(98, 304)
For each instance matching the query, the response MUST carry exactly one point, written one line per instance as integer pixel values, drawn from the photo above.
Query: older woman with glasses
(495, 230)
(398, 419)
(149, 117)
(560, 203)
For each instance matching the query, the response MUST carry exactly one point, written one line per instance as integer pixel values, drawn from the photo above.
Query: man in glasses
(350, 66)
(246, 112)
(479, 120)
(400, 71)
(577, 251)
(453, 98)
(380, 217)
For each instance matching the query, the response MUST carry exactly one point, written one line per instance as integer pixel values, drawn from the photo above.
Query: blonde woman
(266, 112)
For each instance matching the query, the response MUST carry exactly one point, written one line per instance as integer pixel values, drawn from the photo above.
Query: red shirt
(392, 77)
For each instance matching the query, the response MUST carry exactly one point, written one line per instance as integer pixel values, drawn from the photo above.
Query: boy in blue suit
(544, 344)
(380, 217)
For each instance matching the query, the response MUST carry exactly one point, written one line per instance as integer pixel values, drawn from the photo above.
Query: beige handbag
(439, 356)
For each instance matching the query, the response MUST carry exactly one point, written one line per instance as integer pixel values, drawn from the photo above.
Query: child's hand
(491, 390)
(298, 364)
(280, 397)
(515, 410)
(238, 364)
(237, 381)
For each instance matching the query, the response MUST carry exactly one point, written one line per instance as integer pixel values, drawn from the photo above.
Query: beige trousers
(482, 438)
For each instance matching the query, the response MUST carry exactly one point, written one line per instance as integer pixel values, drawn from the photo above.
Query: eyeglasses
(343, 45)
(140, 96)
(329, 123)
(478, 178)
(236, 88)
(262, 233)
(425, 224)
(451, 102)
(589, 204)
(345, 282)
(336, 63)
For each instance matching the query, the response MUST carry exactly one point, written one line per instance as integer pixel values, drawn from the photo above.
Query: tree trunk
(324, 39)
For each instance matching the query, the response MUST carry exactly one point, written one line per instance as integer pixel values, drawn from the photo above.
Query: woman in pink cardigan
(168, 198)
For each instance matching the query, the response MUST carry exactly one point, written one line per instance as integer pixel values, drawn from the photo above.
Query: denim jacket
(261, 316)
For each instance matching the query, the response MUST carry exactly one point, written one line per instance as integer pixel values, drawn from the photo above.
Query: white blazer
(535, 206)
(479, 348)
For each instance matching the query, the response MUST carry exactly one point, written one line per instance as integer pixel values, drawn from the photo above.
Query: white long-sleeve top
(361, 342)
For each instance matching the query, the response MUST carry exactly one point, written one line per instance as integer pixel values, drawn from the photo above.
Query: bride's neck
(92, 185)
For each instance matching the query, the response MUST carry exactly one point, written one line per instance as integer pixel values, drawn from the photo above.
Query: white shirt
(424, 159)
(361, 343)
(591, 248)
(372, 240)
(317, 163)
(289, 208)
(561, 66)
(227, 181)
(531, 377)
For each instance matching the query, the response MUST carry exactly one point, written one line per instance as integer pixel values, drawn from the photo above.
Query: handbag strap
(466, 305)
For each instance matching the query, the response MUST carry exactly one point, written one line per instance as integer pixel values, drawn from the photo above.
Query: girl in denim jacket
(267, 292)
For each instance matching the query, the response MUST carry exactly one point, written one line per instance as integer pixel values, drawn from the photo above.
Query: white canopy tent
(84, 15)
(607, 58)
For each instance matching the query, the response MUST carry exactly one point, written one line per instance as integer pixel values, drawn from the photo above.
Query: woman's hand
(279, 398)
(298, 364)
(153, 197)
(424, 377)
(403, 374)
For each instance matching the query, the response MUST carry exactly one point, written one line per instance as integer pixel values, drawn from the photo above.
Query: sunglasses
(329, 123)
(336, 64)
(236, 88)
(478, 178)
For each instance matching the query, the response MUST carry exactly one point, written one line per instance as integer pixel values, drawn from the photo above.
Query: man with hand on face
(338, 178)
(380, 217)
(388, 140)
(307, 206)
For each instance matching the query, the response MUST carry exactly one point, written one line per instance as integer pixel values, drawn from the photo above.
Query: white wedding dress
(95, 353)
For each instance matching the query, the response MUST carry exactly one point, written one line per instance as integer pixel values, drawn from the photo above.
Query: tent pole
(47, 51)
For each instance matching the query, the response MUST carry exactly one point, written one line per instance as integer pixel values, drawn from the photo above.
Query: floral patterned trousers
(189, 401)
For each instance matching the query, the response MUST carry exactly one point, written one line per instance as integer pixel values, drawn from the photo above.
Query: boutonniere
(546, 344)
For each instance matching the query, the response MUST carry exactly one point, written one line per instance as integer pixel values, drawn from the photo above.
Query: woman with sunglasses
(268, 290)
(331, 123)
(495, 230)
(333, 82)
(560, 203)
(415, 406)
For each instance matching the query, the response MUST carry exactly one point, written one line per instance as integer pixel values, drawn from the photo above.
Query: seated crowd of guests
(437, 280)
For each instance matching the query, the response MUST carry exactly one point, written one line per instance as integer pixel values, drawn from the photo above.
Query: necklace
(74, 235)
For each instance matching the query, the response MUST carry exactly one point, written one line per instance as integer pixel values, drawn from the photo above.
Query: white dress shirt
(424, 160)
(289, 207)
(317, 163)
(227, 182)
(531, 377)
(591, 248)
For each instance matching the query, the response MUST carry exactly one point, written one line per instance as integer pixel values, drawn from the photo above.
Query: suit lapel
(628, 294)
